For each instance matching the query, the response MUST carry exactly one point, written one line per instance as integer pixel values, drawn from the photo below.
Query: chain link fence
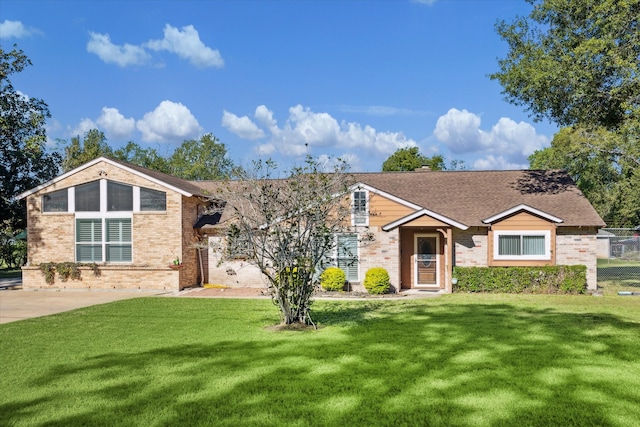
(619, 256)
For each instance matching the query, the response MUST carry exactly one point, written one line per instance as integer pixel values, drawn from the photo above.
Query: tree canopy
(410, 158)
(24, 160)
(574, 62)
(201, 159)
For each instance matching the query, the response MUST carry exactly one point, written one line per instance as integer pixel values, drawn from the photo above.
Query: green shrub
(556, 279)
(376, 281)
(333, 279)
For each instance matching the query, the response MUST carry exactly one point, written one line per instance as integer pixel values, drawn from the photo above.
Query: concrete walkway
(18, 304)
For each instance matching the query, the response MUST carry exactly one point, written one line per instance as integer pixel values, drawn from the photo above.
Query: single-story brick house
(134, 222)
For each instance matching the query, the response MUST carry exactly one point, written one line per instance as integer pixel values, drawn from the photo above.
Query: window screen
(56, 201)
(119, 197)
(152, 200)
(509, 245)
(88, 197)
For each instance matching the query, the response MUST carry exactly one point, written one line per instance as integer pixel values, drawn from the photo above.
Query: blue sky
(279, 79)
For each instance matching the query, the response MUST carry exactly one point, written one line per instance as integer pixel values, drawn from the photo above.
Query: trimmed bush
(376, 281)
(333, 279)
(556, 279)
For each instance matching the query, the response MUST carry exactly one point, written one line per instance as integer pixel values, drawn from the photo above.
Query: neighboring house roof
(469, 197)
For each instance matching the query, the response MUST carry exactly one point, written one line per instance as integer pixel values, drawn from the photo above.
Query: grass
(615, 275)
(458, 360)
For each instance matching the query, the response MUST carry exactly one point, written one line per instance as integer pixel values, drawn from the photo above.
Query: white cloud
(513, 142)
(427, 2)
(83, 127)
(16, 29)
(305, 129)
(115, 124)
(265, 149)
(124, 55)
(492, 162)
(187, 44)
(169, 122)
(241, 126)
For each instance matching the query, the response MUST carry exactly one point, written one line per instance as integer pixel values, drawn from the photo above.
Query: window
(88, 197)
(88, 240)
(119, 197)
(152, 200)
(360, 214)
(92, 243)
(118, 244)
(525, 245)
(345, 256)
(56, 201)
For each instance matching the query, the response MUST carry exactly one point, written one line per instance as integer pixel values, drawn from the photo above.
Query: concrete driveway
(17, 304)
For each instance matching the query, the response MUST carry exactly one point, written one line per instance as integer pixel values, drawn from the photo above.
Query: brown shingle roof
(472, 196)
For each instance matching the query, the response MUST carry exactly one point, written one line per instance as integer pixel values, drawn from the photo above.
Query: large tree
(410, 158)
(24, 160)
(289, 227)
(80, 151)
(610, 183)
(577, 63)
(201, 159)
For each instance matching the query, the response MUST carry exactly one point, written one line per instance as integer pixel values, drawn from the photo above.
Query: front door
(425, 258)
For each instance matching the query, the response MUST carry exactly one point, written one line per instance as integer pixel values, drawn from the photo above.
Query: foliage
(376, 281)
(24, 160)
(66, 270)
(409, 159)
(146, 157)
(78, 152)
(289, 225)
(333, 279)
(558, 279)
(202, 159)
(610, 182)
(512, 360)
(574, 62)
(13, 252)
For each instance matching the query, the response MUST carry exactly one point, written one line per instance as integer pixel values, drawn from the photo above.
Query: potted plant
(176, 264)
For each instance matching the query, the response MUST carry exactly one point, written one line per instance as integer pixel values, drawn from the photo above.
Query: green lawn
(458, 360)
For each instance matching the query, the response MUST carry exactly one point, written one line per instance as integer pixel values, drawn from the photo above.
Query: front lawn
(458, 360)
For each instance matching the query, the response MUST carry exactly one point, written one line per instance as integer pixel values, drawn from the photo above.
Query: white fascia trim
(525, 208)
(420, 213)
(362, 186)
(92, 163)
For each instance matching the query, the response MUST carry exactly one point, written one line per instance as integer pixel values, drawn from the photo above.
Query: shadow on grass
(373, 363)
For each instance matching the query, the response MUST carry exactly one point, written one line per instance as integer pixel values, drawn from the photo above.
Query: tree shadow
(543, 182)
(384, 363)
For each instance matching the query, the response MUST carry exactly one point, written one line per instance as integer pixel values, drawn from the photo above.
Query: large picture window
(524, 245)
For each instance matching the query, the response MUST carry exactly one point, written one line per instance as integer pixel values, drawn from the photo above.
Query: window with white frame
(359, 207)
(522, 245)
(345, 256)
(56, 201)
(103, 240)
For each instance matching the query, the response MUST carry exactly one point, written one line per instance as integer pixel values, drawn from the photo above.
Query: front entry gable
(424, 217)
